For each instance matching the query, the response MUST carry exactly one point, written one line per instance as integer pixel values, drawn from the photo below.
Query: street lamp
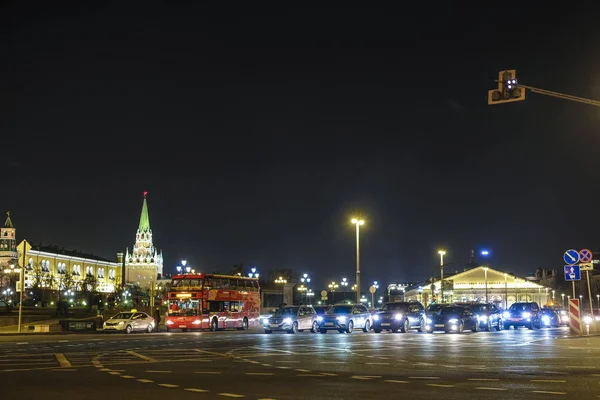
(184, 262)
(553, 292)
(344, 283)
(420, 290)
(281, 280)
(353, 288)
(485, 269)
(309, 295)
(505, 291)
(358, 223)
(332, 286)
(253, 273)
(178, 269)
(188, 269)
(563, 299)
(442, 253)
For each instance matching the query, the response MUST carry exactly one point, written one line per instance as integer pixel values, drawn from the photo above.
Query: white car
(130, 321)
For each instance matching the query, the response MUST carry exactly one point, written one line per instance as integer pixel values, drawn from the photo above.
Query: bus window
(215, 306)
(241, 306)
(225, 283)
(233, 306)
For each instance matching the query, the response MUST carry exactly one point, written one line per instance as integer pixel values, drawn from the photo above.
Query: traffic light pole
(560, 95)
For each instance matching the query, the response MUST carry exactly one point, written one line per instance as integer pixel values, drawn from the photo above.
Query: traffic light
(508, 89)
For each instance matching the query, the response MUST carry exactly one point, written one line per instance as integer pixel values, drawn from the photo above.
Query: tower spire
(8, 223)
(144, 219)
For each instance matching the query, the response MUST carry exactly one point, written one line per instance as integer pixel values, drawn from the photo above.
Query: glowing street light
(563, 299)
(305, 278)
(442, 253)
(253, 273)
(344, 283)
(281, 280)
(332, 286)
(485, 269)
(358, 223)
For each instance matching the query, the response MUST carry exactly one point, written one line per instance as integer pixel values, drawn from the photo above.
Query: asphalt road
(521, 364)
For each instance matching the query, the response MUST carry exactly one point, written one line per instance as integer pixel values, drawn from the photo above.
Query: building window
(62, 268)
(100, 273)
(89, 271)
(29, 266)
(77, 270)
(111, 274)
(45, 266)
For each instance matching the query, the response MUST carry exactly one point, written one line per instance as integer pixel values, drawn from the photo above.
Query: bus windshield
(183, 307)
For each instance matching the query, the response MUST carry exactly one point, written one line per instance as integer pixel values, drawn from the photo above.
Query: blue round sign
(571, 256)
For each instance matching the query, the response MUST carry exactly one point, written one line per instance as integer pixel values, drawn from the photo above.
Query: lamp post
(598, 297)
(553, 293)
(332, 286)
(420, 290)
(344, 283)
(305, 279)
(505, 291)
(442, 253)
(358, 223)
(376, 286)
(253, 273)
(563, 299)
(485, 269)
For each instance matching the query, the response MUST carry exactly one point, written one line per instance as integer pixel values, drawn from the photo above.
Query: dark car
(400, 316)
(489, 316)
(550, 318)
(344, 318)
(453, 319)
(526, 314)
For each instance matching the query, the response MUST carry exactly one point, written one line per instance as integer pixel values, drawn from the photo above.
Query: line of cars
(405, 316)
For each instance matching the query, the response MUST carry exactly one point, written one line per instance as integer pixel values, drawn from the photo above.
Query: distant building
(8, 244)
(144, 265)
(473, 284)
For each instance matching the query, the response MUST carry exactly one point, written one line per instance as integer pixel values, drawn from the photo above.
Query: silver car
(344, 318)
(130, 321)
(292, 319)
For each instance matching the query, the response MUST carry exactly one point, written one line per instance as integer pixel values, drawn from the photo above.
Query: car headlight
(565, 318)
(546, 319)
(341, 319)
(197, 322)
(121, 323)
(398, 317)
(287, 320)
(506, 314)
(452, 321)
(429, 321)
(375, 317)
(482, 318)
(266, 321)
(587, 319)
(319, 318)
(526, 314)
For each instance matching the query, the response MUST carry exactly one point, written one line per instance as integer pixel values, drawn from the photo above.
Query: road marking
(196, 390)
(63, 369)
(128, 376)
(260, 373)
(231, 395)
(114, 373)
(333, 362)
(289, 362)
(483, 379)
(23, 343)
(284, 367)
(547, 380)
(365, 377)
(488, 388)
(143, 357)
(546, 392)
(62, 341)
(208, 372)
(328, 374)
(394, 381)
(302, 370)
(313, 375)
(169, 385)
(378, 363)
(62, 360)
(158, 372)
(439, 385)
(423, 377)
(266, 365)
(145, 380)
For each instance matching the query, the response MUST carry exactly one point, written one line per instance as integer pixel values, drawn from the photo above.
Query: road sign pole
(587, 274)
(573, 283)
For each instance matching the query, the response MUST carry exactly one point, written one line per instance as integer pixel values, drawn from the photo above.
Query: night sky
(259, 132)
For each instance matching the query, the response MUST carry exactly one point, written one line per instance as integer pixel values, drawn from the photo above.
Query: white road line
(208, 372)
(260, 373)
(196, 390)
(168, 385)
(395, 381)
(145, 380)
(439, 385)
(483, 379)
(378, 363)
(548, 380)
(230, 395)
(423, 377)
(547, 392)
(158, 372)
(128, 376)
(489, 388)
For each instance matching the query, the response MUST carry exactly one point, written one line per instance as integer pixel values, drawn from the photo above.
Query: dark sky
(258, 132)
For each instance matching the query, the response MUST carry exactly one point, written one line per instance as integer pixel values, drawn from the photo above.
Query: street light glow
(485, 252)
(356, 221)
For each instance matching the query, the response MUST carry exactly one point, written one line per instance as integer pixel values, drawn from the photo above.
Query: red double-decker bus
(211, 301)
